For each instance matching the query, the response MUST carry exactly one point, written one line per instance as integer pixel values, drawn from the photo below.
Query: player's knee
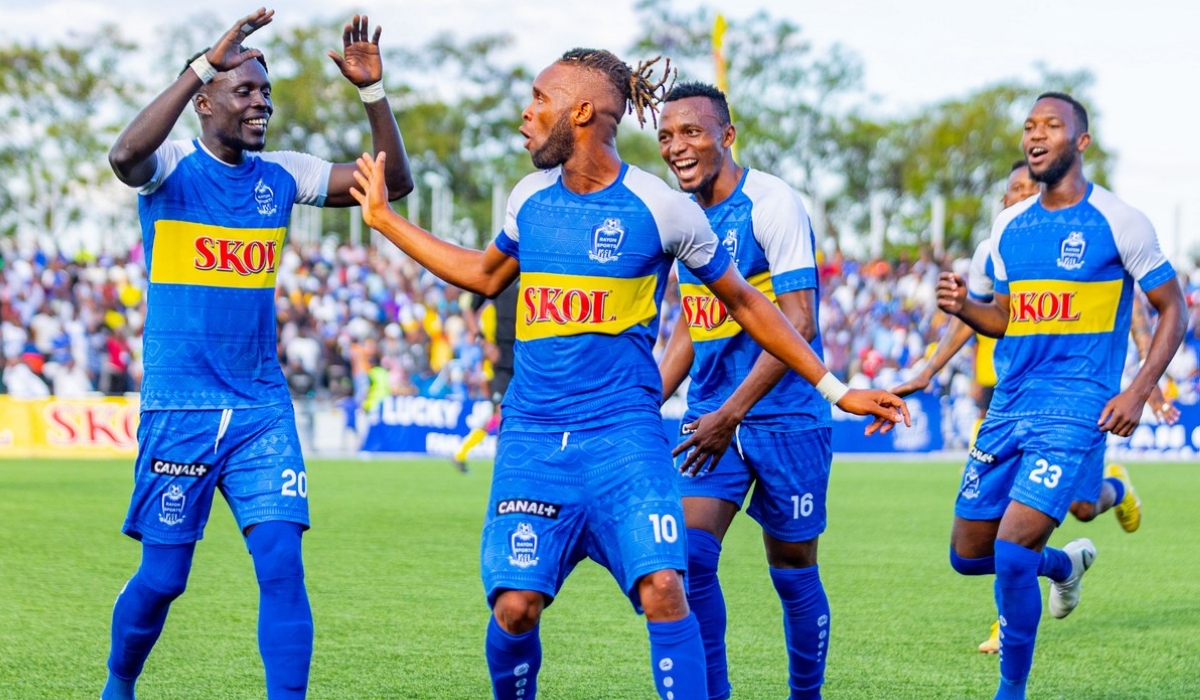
(275, 547)
(518, 611)
(972, 566)
(164, 570)
(662, 596)
(1083, 511)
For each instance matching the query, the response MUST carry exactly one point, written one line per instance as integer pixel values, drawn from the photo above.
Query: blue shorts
(790, 473)
(609, 494)
(252, 455)
(1044, 462)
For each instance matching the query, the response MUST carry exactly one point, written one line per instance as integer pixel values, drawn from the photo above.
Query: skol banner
(101, 427)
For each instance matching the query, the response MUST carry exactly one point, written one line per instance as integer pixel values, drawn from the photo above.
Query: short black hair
(260, 58)
(1017, 165)
(1080, 111)
(695, 88)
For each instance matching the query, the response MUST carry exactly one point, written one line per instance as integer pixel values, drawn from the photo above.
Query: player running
(1064, 263)
(1088, 505)
(778, 423)
(215, 408)
(583, 467)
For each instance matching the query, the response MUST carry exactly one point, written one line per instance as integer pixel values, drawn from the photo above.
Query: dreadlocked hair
(636, 86)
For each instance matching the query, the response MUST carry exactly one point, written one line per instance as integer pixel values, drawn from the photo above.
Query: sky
(1144, 55)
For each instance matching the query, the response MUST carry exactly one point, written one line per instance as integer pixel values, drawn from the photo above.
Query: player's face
(1020, 186)
(547, 120)
(693, 141)
(238, 104)
(1053, 142)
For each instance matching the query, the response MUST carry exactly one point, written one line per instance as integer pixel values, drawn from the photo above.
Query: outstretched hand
(912, 386)
(227, 54)
(888, 409)
(361, 63)
(710, 437)
(373, 197)
(1163, 409)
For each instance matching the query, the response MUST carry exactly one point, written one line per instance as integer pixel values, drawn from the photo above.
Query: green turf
(393, 576)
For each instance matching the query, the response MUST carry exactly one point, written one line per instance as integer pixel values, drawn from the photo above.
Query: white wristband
(204, 69)
(831, 388)
(372, 93)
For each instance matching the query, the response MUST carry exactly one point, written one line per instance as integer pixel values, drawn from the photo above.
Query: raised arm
(987, 317)
(486, 272)
(1124, 411)
(363, 66)
(132, 156)
(772, 331)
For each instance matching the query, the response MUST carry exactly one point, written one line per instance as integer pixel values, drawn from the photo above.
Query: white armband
(204, 69)
(832, 388)
(372, 93)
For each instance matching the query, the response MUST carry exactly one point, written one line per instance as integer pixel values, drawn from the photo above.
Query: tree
(61, 107)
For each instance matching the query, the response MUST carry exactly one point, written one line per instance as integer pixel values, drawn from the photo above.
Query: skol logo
(702, 311)
(563, 306)
(243, 257)
(1036, 307)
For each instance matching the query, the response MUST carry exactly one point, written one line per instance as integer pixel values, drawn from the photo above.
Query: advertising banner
(100, 427)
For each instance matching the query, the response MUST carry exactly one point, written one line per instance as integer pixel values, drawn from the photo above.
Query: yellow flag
(722, 65)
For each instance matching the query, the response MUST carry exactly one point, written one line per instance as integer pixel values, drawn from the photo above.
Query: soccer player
(1065, 263)
(738, 394)
(1088, 503)
(583, 467)
(498, 325)
(215, 408)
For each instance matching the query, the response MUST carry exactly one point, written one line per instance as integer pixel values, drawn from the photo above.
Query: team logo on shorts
(173, 502)
(524, 543)
(1070, 254)
(730, 241)
(607, 239)
(265, 198)
(970, 487)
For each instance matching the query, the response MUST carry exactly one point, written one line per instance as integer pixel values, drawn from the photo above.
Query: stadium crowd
(356, 323)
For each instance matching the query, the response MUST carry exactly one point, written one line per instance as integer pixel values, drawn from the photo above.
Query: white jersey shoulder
(1132, 232)
(310, 173)
(683, 229)
(979, 282)
(529, 185)
(781, 224)
(1002, 221)
(166, 157)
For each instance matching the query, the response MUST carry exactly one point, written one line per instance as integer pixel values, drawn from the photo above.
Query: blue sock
(1020, 602)
(708, 605)
(285, 623)
(513, 662)
(1119, 487)
(141, 610)
(677, 659)
(805, 628)
(1055, 564)
(978, 566)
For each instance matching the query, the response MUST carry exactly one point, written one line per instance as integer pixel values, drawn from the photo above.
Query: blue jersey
(765, 229)
(593, 271)
(1069, 277)
(213, 234)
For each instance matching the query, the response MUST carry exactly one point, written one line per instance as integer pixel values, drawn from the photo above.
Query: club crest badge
(173, 503)
(970, 487)
(1070, 254)
(730, 241)
(607, 239)
(265, 198)
(524, 543)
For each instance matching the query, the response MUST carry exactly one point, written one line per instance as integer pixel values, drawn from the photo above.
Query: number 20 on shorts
(295, 483)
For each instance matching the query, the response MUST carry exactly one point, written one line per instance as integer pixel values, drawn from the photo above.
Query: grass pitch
(393, 576)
